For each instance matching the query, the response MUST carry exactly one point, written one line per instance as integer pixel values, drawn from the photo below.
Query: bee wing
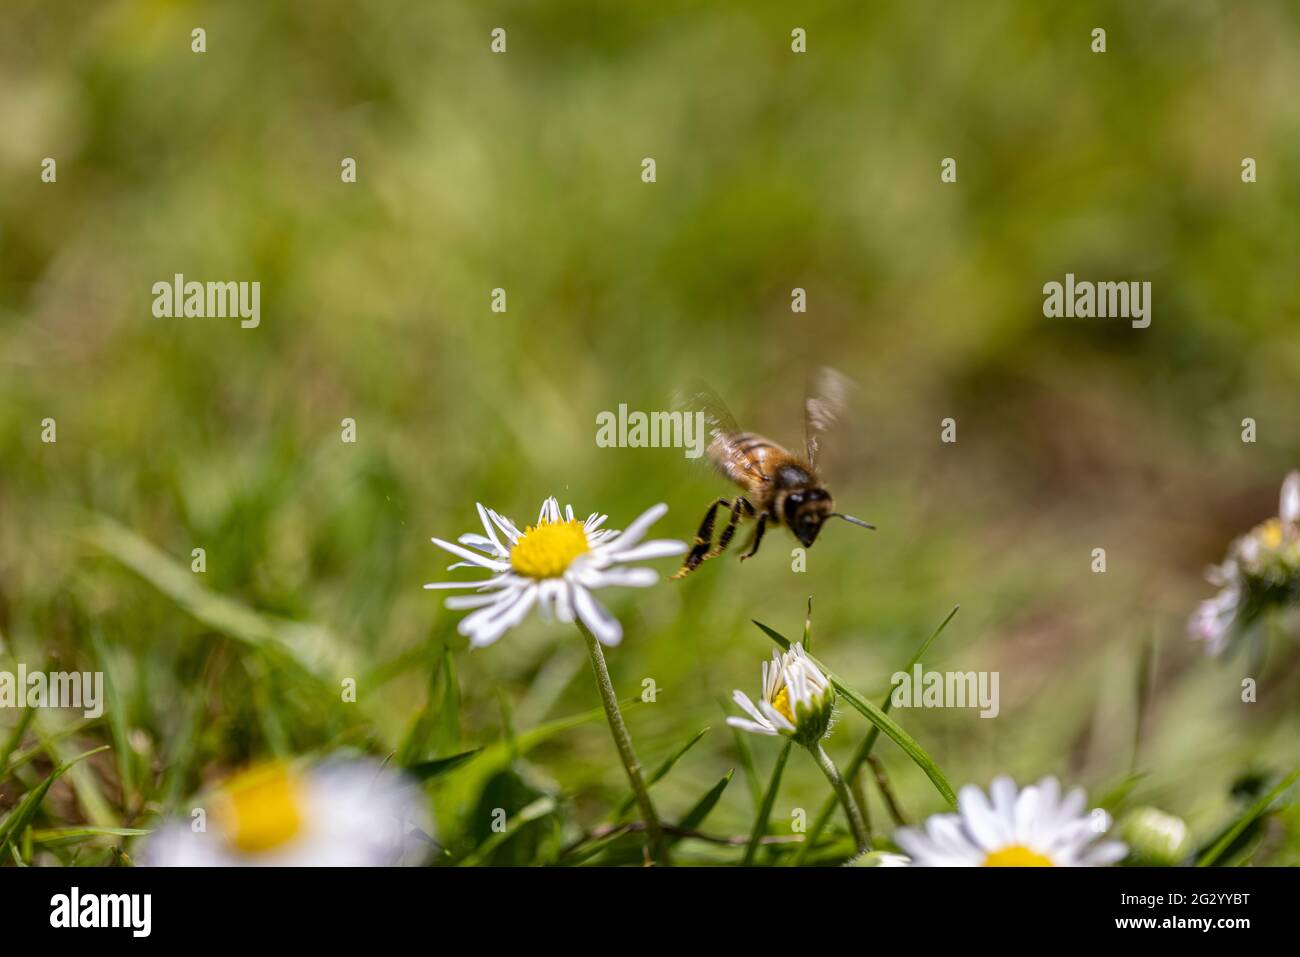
(723, 432)
(824, 406)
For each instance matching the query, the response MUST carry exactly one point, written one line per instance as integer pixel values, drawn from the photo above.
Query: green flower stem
(623, 741)
(824, 815)
(765, 810)
(842, 791)
(864, 748)
(860, 796)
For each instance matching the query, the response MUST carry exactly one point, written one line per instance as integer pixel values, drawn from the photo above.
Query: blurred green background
(522, 171)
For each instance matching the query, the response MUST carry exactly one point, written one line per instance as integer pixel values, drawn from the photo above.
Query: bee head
(804, 511)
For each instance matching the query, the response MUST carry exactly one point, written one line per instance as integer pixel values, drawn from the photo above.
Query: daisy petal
(472, 557)
(464, 602)
(488, 624)
(742, 699)
(480, 542)
(750, 726)
(506, 526)
(636, 531)
(774, 717)
(603, 625)
(487, 527)
(498, 581)
(626, 577)
(659, 548)
(1289, 508)
(563, 595)
(988, 830)
(1105, 853)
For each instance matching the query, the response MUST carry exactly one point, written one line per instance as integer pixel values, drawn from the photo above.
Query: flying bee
(780, 487)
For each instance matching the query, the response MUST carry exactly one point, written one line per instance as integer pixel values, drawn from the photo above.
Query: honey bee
(780, 487)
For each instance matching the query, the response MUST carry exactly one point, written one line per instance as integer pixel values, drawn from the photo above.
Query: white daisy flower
(553, 565)
(339, 814)
(1034, 828)
(1261, 574)
(797, 699)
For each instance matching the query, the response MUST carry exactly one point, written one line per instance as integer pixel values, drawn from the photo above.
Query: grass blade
(22, 814)
(15, 739)
(427, 770)
(747, 763)
(312, 647)
(1254, 812)
(765, 810)
(82, 777)
(693, 818)
(659, 773)
(447, 733)
(416, 742)
(63, 836)
(117, 718)
(471, 774)
(537, 809)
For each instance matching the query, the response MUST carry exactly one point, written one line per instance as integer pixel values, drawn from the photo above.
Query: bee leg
(703, 539)
(741, 508)
(759, 529)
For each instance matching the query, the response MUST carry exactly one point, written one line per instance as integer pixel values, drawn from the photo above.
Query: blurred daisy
(338, 814)
(1157, 839)
(879, 859)
(1033, 828)
(797, 700)
(1260, 575)
(553, 565)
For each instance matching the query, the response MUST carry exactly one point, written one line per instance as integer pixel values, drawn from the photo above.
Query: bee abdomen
(750, 442)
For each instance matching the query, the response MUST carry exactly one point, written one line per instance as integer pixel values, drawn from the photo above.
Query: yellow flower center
(546, 550)
(1270, 533)
(1017, 855)
(781, 703)
(262, 808)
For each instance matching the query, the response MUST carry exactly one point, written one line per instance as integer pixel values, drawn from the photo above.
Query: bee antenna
(853, 521)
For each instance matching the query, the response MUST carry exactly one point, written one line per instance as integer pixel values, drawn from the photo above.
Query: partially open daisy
(797, 700)
(342, 813)
(553, 565)
(1033, 828)
(1259, 577)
